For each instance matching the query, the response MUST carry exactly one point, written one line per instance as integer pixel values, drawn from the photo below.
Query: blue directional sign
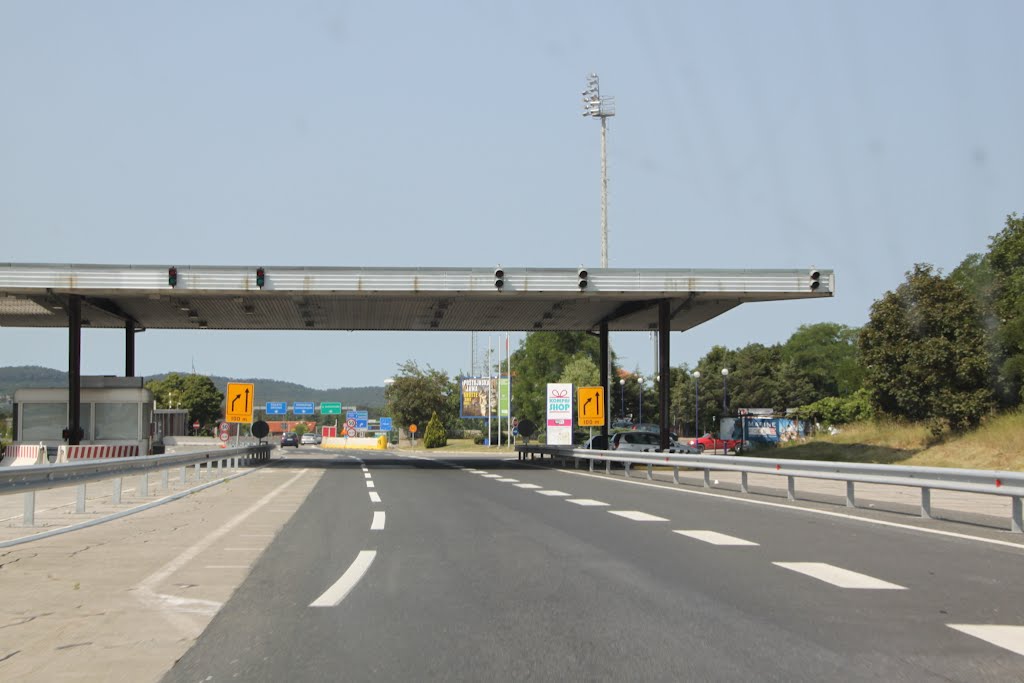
(362, 424)
(302, 408)
(385, 424)
(277, 408)
(351, 415)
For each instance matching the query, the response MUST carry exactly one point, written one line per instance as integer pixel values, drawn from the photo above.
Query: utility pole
(594, 105)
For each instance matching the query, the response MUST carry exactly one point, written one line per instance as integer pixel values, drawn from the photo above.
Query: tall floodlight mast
(600, 107)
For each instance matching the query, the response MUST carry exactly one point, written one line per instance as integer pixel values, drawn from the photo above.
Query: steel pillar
(664, 372)
(74, 369)
(605, 362)
(129, 348)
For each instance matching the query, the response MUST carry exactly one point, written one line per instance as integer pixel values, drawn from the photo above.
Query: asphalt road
(468, 577)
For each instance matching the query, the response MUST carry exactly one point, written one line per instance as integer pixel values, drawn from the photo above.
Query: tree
(581, 372)
(1005, 280)
(195, 393)
(826, 356)
(435, 436)
(543, 357)
(924, 353)
(416, 394)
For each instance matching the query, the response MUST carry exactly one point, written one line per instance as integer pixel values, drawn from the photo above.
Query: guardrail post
(29, 511)
(744, 488)
(199, 472)
(607, 466)
(80, 499)
(1016, 521)
(144, 484)
(675, 475)
(591, 464)
(625, 469)
(926, 503)
(575, 463)
(790, 488)
(707, 479)
(851, 501)
(165, 480)
(116, 498)
(650, 471)
(184, 475)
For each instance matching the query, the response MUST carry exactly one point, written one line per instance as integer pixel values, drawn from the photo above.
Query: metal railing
(41, 477)
(992, 482)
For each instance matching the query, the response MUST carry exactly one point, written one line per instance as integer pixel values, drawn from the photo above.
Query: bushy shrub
(435, 436)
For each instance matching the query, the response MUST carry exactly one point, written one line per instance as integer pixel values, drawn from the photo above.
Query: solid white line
(256, 535)
(587, 502)
(507, 479)
(336, 593)
(242, 549)
(837, 576)
(552, 492)
(374, 496)
(378, 521)
(527, 486)
(1007, 637)
(370, 484)
(637, 516)
(712, 537)
(827, 513)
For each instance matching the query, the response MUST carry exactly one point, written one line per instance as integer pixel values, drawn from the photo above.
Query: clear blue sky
(858, 136)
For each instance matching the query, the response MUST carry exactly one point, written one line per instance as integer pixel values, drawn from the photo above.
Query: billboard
(559, 402)
(483, 397)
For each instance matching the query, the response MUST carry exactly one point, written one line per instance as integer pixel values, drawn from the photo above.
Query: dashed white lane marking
(552, 492)
(491, 476)
(337, 592)
(1007, 637)
(843, 578)
(712, 537)
(476, 471)
(508, 480)
(370, 484)
(378, 521)
(798, 508)
(637, 516)
(374, 496)
(587, 502)
(367, 475)
(527, 486)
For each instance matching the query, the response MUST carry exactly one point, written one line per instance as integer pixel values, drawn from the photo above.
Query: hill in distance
(32, 376)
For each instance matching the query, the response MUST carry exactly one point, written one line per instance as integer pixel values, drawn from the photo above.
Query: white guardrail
(32, 478)
(991, 482)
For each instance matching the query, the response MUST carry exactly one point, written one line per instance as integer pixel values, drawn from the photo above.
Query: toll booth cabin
(116, 411)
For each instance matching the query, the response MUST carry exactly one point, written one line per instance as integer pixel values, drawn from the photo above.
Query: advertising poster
(474, 397)
(559, 401)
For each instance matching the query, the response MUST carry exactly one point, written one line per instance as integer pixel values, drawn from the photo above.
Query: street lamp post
(622, 398)
(640, 403)
(725, 392)
(696, 402)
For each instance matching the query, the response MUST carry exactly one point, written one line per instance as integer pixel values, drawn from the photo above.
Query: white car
(308, 438)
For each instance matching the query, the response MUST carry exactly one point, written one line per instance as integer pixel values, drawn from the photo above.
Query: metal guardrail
(992, 482)
(34, 478)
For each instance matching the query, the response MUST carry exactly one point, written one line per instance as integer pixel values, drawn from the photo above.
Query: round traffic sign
(515, 421)
(351, 432)
(351, 422)
(413, 428)
(195, 425)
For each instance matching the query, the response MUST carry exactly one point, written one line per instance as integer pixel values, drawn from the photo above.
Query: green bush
(435, 436)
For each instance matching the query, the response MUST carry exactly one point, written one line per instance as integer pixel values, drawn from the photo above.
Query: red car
(710, 442)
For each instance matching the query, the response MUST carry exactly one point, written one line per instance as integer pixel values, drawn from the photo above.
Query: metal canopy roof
(450, 299)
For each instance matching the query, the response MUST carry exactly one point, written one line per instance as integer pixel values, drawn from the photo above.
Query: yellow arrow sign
(238, 404)
(590, 406)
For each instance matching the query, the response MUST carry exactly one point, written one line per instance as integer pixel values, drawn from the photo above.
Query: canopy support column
(605, 361)
(663, 372)
(129, 348)
(74, 370)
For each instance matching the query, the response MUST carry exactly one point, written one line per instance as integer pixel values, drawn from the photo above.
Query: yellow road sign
(590, 406)
(238, 404)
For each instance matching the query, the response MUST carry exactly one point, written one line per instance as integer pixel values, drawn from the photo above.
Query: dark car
(289, 439)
